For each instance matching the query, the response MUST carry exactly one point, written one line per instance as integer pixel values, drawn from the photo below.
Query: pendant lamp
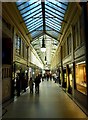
(43, 48)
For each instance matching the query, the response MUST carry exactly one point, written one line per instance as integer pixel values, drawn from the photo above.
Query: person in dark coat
(23, 81)
(18, 84)
(31, 85)
(37, 82)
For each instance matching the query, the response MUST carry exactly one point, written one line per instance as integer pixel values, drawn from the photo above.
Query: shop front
(80, 92)
(20, 78)
(64, 83)
(81, 83)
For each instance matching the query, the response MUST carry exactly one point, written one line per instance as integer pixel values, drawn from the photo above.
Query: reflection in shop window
(81, 78)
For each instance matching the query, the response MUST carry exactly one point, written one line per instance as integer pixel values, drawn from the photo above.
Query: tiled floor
(52, 102)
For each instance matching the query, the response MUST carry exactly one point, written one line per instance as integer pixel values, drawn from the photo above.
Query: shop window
(25, 52)
(70, 77)
(70, 80)
(75, 36)
(81, 84)
(76, 33)
(18, 45)
(65, 79)
(74, 41)
(81, 29)
(22, 49)
(65, 52)
(69, 44)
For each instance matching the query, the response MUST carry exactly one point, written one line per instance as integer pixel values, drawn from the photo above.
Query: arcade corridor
(44, 39)
(51, 102)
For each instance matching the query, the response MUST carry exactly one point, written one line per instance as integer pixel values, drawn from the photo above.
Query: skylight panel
(56, 22)
(21, 5)
(38, 15)
(58, 7)
(35, 25)
(49, 15)
(31, 15)
(54, 15)
(29, 22)
(47, 28)
(33, 1)
(36, 33)
(29, 10)
(53, 12)
(51, 25)
(36, 28)
(53, 33)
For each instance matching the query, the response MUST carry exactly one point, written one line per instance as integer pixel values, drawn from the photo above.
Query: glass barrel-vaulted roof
(43, 18)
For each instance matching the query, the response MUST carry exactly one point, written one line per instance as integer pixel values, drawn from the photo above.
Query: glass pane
(52, 33)
(58, 3)
(51, 26)
(30, 21)
(56, 22)
(29, 11)
(59, 7)
(36, 33)
(22, 5)
(33, 15)
(53, 17)
(47, 28)
(47, 14)
(33, 1)
(34, 23)
(54, 11)
(53, 23)
(51, 13)
(35, 26)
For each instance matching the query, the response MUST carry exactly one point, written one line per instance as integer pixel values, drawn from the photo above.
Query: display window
(70, 77)
(65, 79)
(60, 78)
(81, 84)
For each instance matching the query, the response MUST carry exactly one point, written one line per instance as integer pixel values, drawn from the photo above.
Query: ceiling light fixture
(43, 48)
